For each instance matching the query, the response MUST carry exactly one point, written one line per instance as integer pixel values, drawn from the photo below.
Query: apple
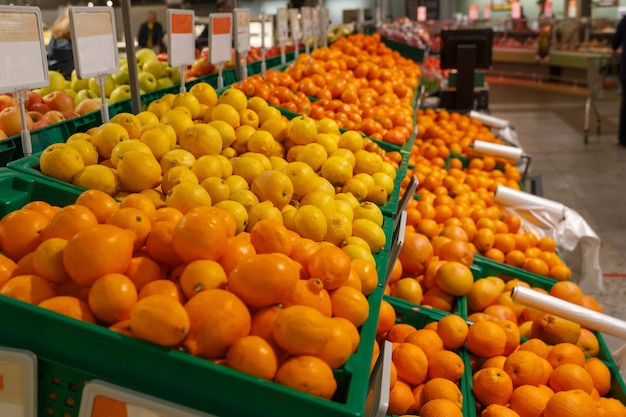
(164, 82)
(39, 120)
(33, 98)
(147, 81)
(174, 74)
(59, 100)
(87, 106)
(123, 61)
(84, 95)
(162, 57)
(69, 114)
(121, 77)
(70, 92)
(7, 101)
(3, 134)
(153, 66)
(76, 83)
(120, 93)
(54, 116)
(57, 81)
(11, 121)
(43, 91)
(42, 108)
(143, 55)
(109, 85)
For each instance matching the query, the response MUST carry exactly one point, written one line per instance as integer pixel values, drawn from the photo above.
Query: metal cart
(603, 83)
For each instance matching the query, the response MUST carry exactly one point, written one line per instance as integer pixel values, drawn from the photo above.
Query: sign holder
(306, 28)
(282, 29)
(23, 62)
(95, 46)
(242, 39)
(18, 383)
(181, 41)
(315, 18)
(220, 42)
(295, 31)
(263, 64)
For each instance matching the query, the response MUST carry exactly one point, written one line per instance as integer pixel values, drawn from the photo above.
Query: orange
(159, 243)
(536, 266)
(529, 401)
(574, 403)
(453, 331)
(7, 266)
(512, 335)
(441, 388)
(48, 260)
(367, 274)
(134, 220)
(350, 304)
(386, 317)
(588, 301)
(96, 251)
(411, 363)
(112, 297)
(143, 270)
(200, 234)
(416, 253)
(310, 292)
(438, 298)
(262, 323)
(524, 368)
(565, 290)
(69, 306)
(454, 278)
(570, 376)
(446, 364)
(401, 399)
(31, 289)
(169, 214)
(563, 353)
(399, 332)
(213, 330)
(426, 339)
(497, 410)
(254, 356)
(483, 293)
(238, 248)
(338, 349)
(269, 236)
(302, 330)
(611, 407)
(141, 202)
(457, 250)
(42, 207)
(331, 264)
(552, 329)
(302, 249)
(546, 244)
(588, 342)
(351, 330)
(560, 272)
(440, 407)
(159, 319)
(20, 232)
(492, 386)
(308, 374)
(264, 279)
(162, 287)
(202, 275)
(515, 258)
(68, 221)
(486, 339)
(600, 374)
(494, 362)
(536, 346)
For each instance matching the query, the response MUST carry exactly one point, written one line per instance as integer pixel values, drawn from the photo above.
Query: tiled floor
(590, 179)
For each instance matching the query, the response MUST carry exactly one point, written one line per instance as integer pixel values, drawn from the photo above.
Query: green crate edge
(407, 51)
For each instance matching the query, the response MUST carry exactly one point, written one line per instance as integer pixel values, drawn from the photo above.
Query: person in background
(59, 49)
(619, 42)
(151, 34)
(223, 6)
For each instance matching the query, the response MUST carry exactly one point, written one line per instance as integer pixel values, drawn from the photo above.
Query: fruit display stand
(407, 51)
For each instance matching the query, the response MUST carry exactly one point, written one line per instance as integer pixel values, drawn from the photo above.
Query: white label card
(18, 382)
(473, 12)
(306, 22)
(282, 25)
(487, 11)
(94, 41)
(315, 19)
(242, 30)
(572, 9)
(181, 40)
(324, 21)
(516, 10)
(421, 13)
(23, 62)
(220, 37)
(547, 9)
(295, 25)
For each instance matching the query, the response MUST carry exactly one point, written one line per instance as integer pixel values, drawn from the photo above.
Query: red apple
(87, 106)
(42, 107)
(11, 121)
(3, 135)
(59, 100)
(33, 98)
(39, 120)
(7, 101)
(54, 116)
(69, 114)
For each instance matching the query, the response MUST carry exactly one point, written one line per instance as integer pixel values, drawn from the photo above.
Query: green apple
(76, 83)
(71, 92)
(85, 93)
(109, 85)
(57, 81)
(121, 77)
(147, 81)
(174, 74)
(123, 61)
(143, 55)
(164, 82)
(42, 91)
(121, 92)
(154, 67)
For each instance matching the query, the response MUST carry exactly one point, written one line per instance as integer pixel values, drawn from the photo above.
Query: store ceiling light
(109, 3)
(90, 4)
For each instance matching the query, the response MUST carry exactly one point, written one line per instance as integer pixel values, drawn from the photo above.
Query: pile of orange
(282, 307)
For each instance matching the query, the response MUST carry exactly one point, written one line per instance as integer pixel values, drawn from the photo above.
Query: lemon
(186, 196)
(106, 136)
(169, 132)
(301, 176)
(345, 154)
(130, 122)
(383, 180)
(159, 107)
(372, 233)
(292, 150)
(235, 98)
(264, 210)
(326, 125)
(388, 169)
(217, 188)
(342, 206)
(328, 141)
(204, 109)
(205, 93)
(138, 171)
(261, 142)
(238, 211)
(274, 186)
(189, 101)
(339, 228)
(367, 179)
(376, 194)
(367, 162)
(201, 139)
(278, 150)
(355, 187)
(97, 177)
(229, 153)
(349, 198)
(176, 157)
(267, 113)
(178, 119)
(257, 104)
(177, 175)
(147, 118)
(87, 151)
(236, 183)
(157, 197)
(244, 197)
(226, 113)
(183, 109)
(351, 140)
(313, 154)
(278, 127)
(322, 184)
(242, 134)
(310, 222)
(79, 136)
(248, 168)
(358, 252)
(249, 118)
(227, 168)
(277, 163)
(320, 199)
(61, 161)
(169, 99)
(302, 130)
(337, 170)
(157, 140)
(288, 212)
(227, 132)
(207, 166)
(370, 211)
(355, 240)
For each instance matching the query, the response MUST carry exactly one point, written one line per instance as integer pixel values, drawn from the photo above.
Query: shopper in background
(223, 6)
(151, 34)
(59, 49)
(619, 41)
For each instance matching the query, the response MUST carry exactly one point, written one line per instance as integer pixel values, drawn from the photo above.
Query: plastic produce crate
(407, 51)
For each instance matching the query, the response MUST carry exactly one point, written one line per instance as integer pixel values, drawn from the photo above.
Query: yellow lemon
(351, 140)
(87, 151)
(322, 184)
(227, 132)
(238, 211)
(274, 186)
(388, 169)
(205, 93)
(227, 168)
(310, 222)
(138, 171)
(186, 196)
(337, 170)
(358, 252)
(201, 139)
(342, 206)
(326, 125)
(189, 101)
(248, 168)
(235, 98)
(377, 194)
(157, 140)
(370, 211)
(302, 130)
(106, 136)
(263, 211)
(301, 176)
(264, 160)
(226, 113)
(355, 187)
(278, 127)
(159, 107)
(176, 157)
(277, 163)
(261, 142)
(372, 233)
(128, 145)
(97, 177)
(313, 155)
(130, 122)
(229, 153)
(175, 176)
(257, 104)
(383, 180)
(328, 141)
(267, 113)
(178, 119)
(288, 212)
(157, 197)
(339, 228)
(320, 199)
(355, 240)
(367, 162)
(242, 134)
(61, 161)
(248, 117)
(217, 188)
(237, 183)
(349, 198)
(345, 154)
(244, 197)
(367, 179)
(147, 118)
(207, 166)
(79, 136)
(169, 132)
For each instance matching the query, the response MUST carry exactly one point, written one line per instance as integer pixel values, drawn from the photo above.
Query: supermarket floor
(589, 179)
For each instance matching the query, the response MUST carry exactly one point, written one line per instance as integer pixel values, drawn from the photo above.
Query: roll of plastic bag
(489, 120)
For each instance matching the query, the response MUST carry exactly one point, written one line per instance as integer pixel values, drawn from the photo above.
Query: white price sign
(282, 25)
(547, 9)
(306, 22)
(421, 13)
(295, 25)
(487, 11)
(516, 10)
(23, 62)
(242, 30)
(220, 37)
(18, 382)
(181, 40)
(473, 12)
(324, 19)
(315, 19)
(94, 41)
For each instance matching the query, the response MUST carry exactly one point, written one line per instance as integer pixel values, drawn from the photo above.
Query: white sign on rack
(473, 12)
(94, 41)
(296, 35)
(421, 13)
(18, 383)
(315, 20)
(282, 25)
(486, 11)
(220, 37)
(242, 30)
(516, 10)
(23, 62)
(306, 22)
(181, 40)
(547, 9)
(324, 23)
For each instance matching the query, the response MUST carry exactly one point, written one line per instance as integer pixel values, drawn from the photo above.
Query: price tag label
(421, 13)
(473, 12)
(324, 22)
(94, 41)
(296, 35)
(181, 41)
(378, 16)
(572, 9)
(18, 379)
(487, 11)
(516, 10)
(547, 9)
(220, 37)
(23, 62)
(307, 26)
(315, 20)
(282, 25)
(242, 30)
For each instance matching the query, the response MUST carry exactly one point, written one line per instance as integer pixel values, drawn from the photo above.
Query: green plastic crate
(407, 51)
(483, 267)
